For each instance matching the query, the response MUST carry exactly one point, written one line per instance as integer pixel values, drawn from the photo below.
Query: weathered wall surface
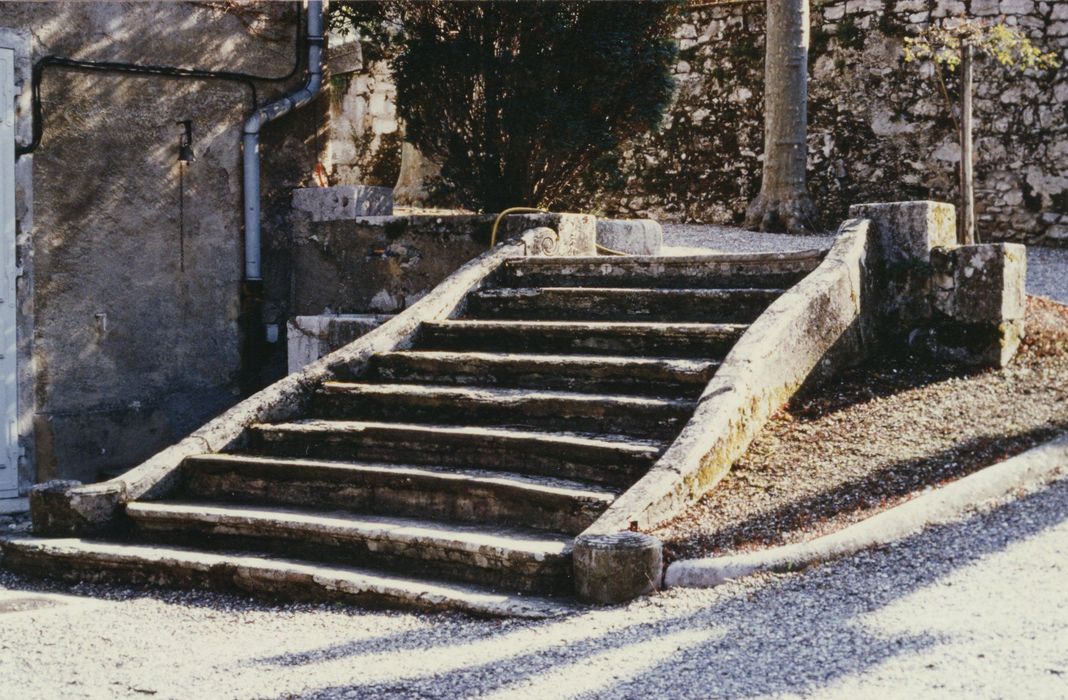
(879, 129)
(136, 338)
(363, 139)
(384, 264)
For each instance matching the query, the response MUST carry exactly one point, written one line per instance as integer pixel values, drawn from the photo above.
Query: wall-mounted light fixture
(185, 142)
(185, 157)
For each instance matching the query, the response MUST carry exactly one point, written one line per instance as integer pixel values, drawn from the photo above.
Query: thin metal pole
(967, 173)
(181, 216)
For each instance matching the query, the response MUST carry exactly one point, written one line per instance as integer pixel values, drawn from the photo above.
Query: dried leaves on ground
(877, 436)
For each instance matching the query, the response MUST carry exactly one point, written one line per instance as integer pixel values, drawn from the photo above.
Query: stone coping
(764, 368)
(767, 365)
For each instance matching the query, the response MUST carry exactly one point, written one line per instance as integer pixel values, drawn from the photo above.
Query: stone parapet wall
(878, 128)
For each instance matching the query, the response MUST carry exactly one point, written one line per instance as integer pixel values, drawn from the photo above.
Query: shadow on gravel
(864, 497)
(879, 376)
(793, 635)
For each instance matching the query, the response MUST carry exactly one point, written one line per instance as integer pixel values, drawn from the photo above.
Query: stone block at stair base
(617, 567)
(60, 508)
(631, 236)
(980, 283)
(903, 235)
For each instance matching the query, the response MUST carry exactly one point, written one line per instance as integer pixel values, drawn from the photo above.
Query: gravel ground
(14, 523)
(939, 614)
(877, 436)
(694, 239)
(1047, 272)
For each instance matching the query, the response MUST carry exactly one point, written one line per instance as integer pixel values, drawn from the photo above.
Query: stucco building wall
(135, 285)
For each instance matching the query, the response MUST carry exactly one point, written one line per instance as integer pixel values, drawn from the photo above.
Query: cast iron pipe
(268, 113)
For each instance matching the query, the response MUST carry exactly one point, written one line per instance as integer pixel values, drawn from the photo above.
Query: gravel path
(1047, 268)
(943, 613)
(694, 239)
(1047, 272)
(875, 436)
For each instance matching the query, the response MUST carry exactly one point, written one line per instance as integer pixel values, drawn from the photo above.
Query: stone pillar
(979, 301)
(903, 234)
(617, 567)
(961, 303)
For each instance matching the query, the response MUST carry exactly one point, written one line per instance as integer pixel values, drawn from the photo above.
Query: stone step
(522, 560)
(520, 408)
(265, 576)
(702, 340)
(406, 490)
(600, 459)
(614, 303)
(724, 271)
(644, 376)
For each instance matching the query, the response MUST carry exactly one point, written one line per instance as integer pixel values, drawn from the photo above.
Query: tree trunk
(967, 173)
(783, 203)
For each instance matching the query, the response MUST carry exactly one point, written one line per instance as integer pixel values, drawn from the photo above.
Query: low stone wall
(385, 264)
(879, 130)
(767, 365)
(890, 278)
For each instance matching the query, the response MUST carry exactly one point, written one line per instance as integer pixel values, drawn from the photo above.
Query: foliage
(517, 99)
(377, 25)
(1007, 45)
(956, 41)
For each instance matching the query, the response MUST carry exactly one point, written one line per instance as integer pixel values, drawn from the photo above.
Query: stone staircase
(455, 472)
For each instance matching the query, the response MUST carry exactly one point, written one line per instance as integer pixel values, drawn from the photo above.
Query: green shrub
(517, 99)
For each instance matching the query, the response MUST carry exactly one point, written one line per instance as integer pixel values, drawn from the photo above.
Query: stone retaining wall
(879, 129)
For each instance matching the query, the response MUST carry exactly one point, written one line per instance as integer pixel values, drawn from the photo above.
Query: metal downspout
(251, 138)
(254, 341)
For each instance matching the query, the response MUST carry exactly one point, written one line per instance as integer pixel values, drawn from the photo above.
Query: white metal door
(9, 470)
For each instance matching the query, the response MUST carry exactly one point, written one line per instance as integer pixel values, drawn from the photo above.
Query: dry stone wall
(363, 138)
(879, 128)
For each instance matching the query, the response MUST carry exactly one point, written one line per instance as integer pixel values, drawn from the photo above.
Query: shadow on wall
(136, 258)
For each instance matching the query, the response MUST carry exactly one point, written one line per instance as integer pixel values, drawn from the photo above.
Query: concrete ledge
(1044, 463)
(631, 236)
(69, 508)
(343, 202)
